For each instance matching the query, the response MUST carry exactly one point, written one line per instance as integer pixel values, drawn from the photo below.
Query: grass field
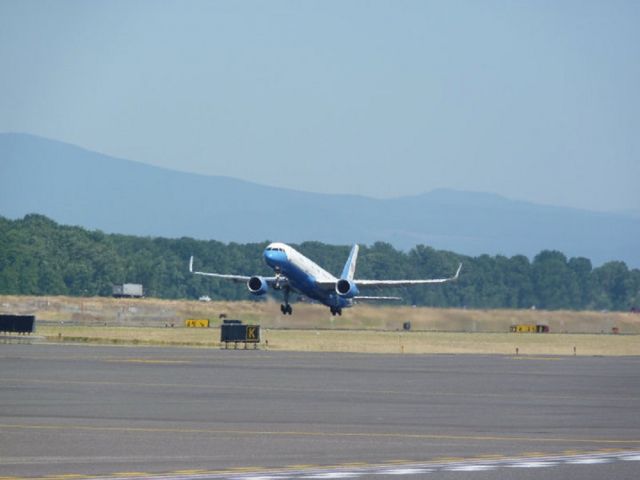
(363, 328)
(158, 313)
(361, 341)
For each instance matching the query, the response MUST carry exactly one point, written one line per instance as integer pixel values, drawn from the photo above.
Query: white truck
(128, 290)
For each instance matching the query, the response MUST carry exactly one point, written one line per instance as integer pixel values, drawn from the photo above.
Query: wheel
(289, 309)
(283, 309)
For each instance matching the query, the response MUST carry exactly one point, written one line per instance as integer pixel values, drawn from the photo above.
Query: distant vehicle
(205, 298)
(128, 290)
(295, 272)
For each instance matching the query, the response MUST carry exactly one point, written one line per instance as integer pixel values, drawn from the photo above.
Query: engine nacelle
(257, 285)
(346, 288)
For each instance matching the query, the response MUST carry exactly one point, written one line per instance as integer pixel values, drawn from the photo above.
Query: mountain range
(72, 185)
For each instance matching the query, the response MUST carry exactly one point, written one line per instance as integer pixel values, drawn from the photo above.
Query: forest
(40, 257)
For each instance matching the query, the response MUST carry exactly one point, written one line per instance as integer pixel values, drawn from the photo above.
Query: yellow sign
(524, 328)
(251, 333)
(197, 323)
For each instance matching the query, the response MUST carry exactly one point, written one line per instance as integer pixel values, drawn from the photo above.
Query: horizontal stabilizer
(366, 298)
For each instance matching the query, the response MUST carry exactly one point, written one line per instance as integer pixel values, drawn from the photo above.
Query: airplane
(296, 273)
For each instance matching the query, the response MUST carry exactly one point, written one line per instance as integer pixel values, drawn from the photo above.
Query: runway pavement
(121, 412)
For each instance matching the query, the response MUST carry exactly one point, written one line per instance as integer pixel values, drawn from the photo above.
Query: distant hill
(75, 186)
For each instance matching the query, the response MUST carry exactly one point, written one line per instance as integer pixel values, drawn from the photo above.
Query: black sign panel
(239, 333)
(17, 323)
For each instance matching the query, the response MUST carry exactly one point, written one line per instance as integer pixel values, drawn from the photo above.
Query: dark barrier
(231, 322)
(232, 331)
(17, 323)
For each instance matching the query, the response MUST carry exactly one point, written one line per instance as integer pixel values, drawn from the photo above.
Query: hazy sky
(535, 100)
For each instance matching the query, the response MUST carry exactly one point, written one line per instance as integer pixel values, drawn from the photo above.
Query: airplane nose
(274, 257)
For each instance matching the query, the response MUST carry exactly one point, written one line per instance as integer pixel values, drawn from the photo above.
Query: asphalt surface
(122, 412)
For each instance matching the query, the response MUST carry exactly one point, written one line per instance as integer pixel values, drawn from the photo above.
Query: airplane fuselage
(303, 274)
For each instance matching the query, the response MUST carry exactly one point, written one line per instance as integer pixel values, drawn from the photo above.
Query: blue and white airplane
(296, 273)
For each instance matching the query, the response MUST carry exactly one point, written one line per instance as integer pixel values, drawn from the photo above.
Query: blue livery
(296, 273)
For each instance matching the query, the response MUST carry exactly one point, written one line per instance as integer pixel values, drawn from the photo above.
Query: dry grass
(364, 328)
(131, 335)
(362, 341)
(155, 312)
(452, 343)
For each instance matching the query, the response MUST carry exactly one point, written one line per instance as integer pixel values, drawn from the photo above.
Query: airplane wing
(233, 278)
(330, 285)
(271, 281)
(405, 283)
(327, 285)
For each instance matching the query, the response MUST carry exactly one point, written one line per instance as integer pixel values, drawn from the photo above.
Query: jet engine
(346, 288)
(257, 285)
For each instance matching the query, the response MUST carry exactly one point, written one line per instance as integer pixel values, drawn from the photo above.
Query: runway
(123, 412)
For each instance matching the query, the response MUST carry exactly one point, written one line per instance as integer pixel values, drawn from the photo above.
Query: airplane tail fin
(349, 269)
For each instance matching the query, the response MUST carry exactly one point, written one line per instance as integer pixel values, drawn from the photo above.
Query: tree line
(40, 257)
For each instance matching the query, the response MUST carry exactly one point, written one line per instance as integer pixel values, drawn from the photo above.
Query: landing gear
(335, 311)
(285, 308)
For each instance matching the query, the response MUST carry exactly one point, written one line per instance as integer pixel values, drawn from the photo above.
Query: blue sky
(535, 100)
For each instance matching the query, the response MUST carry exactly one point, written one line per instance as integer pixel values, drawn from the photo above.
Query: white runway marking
(533, 465)
(470, 468)
(404, 471)
(589, 461)
(265, 477)
(262, 477)
(409, 469)
(335, 475)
